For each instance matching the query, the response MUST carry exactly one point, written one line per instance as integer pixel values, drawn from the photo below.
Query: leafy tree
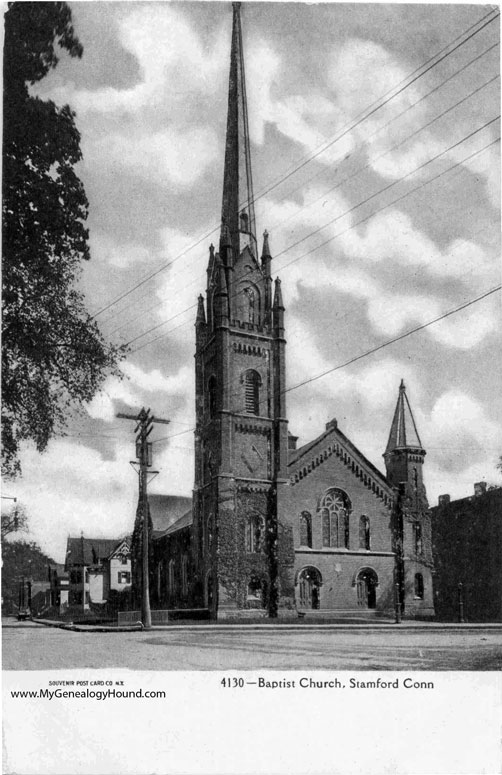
(53, 355)
(15, 521)
(20, 558)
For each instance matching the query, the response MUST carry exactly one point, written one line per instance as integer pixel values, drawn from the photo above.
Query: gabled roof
(165, 510)
(403, 432)
(305, 459)
(184, 521)
(89, 551)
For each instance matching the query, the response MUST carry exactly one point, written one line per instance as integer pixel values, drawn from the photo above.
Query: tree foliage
(14, 521)
(53, 355)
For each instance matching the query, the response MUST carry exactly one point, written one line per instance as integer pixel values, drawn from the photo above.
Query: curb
(387, 627)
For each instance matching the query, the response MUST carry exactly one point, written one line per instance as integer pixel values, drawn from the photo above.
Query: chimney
(332, 424)
(292, 442)
(443, 500)
(479, 489)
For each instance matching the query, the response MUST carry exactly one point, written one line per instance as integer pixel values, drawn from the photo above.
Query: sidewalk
(274, 626)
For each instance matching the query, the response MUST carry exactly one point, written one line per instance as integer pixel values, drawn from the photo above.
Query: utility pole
(144, 426)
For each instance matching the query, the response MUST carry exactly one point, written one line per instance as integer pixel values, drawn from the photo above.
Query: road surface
(35, 647)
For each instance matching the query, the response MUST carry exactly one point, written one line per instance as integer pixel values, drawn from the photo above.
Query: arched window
(364, 533)
(211, 394)
(209, 531)
(247, 303)
(255, 534)
(257, 592)
(335, 511)
(417, 538)
(252, 382)
(419, 586)
(184, 575)
(171, 577)
(305, 529)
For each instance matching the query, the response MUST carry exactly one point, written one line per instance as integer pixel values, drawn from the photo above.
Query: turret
(200, 320)
(266, 261)
(404, 454)
(221, 312)
(278, 310)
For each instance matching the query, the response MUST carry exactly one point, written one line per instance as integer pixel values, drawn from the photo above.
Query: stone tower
(404, 460)
(241, 427)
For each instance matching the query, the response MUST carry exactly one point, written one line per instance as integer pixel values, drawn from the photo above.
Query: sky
(378, 182)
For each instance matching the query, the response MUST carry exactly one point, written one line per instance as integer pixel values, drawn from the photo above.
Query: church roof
(305, 459)
(403, 432)
(165, 510)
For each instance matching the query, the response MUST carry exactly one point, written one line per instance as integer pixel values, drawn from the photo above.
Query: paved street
(35, 647)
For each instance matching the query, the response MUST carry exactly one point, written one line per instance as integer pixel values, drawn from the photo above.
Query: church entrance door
(309, 582)
(367, 582)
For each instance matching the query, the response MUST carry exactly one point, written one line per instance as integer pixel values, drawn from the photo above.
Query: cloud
(154, 381)
(173, 60)
(102, 406)
(180, 155)
(464, 443)
(71, 488)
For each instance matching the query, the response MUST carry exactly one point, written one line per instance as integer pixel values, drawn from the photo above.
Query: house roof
(89, 551)
(165, 510)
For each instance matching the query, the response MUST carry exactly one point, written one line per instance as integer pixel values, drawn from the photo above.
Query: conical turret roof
(403, 432)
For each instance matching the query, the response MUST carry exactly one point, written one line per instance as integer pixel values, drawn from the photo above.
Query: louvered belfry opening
(252, 392)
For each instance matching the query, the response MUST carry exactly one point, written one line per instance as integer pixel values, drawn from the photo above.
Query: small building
(96, 567)
(467, 551)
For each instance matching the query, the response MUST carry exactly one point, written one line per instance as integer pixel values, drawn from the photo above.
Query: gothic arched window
(184, 575)
(364, 533)
(335, 511)
(252, 382)
(305, 529)
(257, 592)
(171, 577)
(417, 538)
(211, 396)
(255, 534)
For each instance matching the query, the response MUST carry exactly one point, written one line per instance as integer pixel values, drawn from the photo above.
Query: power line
(349, 177)
(364, 116)
(395, 339)
(347, 212)
(373, 350)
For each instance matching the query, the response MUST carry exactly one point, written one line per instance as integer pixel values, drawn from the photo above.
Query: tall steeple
(404, 454)
(237, 211)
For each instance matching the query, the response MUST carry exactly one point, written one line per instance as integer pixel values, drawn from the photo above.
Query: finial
(211, 250)
(401, 386)
(266, 249)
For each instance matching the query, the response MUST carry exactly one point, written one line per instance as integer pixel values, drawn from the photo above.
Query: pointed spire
(238, 200)
(278, 303)
(278, 310)
(265, 253)
(403, 432)
(200, 320)
(221, 293)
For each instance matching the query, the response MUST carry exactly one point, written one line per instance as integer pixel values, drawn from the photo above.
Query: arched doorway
(366, 582)
(309, 584)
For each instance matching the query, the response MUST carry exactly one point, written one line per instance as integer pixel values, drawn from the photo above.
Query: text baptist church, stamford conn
(271, 527)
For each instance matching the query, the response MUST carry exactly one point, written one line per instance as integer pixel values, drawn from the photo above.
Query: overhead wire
(349, 177)
(347, 212)
(364, 116)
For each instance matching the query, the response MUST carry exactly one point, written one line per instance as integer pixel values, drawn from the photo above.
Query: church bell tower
(241, 426)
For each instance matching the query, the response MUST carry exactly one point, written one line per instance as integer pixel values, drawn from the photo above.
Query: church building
(275, 529)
